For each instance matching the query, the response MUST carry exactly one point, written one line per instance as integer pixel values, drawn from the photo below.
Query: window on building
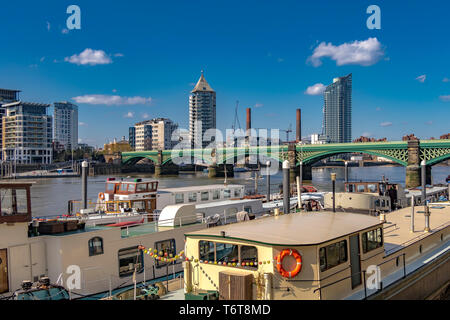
(227, 193)
(372, 188)
(179, 198)
(95, 246)
(206, 250)
(249, 254)
(205, 196)
(372, 240)
(166, 248)
(130, 259)
(141, 187)
(360, 188)
(237, 193)
(333, 255)
(192, 196)
(227, 252)
(216, 194)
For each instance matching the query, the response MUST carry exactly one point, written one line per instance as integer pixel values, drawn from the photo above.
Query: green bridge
(407, 153)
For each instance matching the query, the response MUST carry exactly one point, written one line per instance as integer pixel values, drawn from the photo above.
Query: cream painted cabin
(336, 250)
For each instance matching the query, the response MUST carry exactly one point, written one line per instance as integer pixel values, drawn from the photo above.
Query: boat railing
(415, 239)
(363, 272)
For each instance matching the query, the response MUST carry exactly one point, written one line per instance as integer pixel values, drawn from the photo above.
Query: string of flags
(169, 257)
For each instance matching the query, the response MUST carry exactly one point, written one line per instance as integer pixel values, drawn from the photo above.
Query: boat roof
(225, 202)
(293, 229)
(199, 188)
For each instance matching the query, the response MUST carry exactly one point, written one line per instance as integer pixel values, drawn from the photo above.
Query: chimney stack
(249, 118)
(299, 125)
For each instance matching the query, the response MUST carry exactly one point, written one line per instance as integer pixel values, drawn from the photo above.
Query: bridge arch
(323, 155)
(135, 159)
(437, 160)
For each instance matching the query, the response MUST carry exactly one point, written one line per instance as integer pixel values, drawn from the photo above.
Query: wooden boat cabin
(300, 256)
(121, 196)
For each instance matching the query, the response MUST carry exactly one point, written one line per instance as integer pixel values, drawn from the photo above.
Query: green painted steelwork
(432, 151)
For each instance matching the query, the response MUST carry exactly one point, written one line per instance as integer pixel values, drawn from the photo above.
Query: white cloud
(114, 90)
(364, 53)
(429, 123)
(378, 109)
(64, 31)
(89, 57)
(258, 105)
(145, 116)
(422, 78)
(48, 26)
(366, 134)
(445, 98)
(446, 80)
(386, 124)
(280, 60)
(316, 89)
(118, 55)
(129, 115)
(42, 59)
(111, 100)
(82, 124)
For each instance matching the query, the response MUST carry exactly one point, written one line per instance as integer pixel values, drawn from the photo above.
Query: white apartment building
(27, 133)
(202, 112)
(154, 134)
(65, 126)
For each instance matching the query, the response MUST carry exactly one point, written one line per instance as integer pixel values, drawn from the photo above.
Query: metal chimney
(299, 125)
(249, 118)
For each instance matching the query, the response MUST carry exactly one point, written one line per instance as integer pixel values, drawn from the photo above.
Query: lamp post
(346, 171)
(424, 196)
(300, 203)
(333, 181)
(286, 192)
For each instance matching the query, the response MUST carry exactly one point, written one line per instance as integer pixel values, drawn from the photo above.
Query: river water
(50, 196)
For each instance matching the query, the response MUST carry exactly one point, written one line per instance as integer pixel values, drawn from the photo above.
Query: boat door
(3, 271)
(355, 262)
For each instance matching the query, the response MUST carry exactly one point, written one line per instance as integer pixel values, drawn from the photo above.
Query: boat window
(139, 205)
(237, 193)
(372, 188)
(377, 203)
(227, 193)
(141, 187)
(95, 246)
(383, 203)
(179, 198)
(192, 196)
(165, 248)
(216, 194)
(130, 259)
(249, 254)
(206, 249)
(351, 188)
(333, 255)
(123, 186)
(227, 252)
(248, 209)
(205, 196)
(111, 207)
(372, 240)
(382, 188)
(360, 188)
(110, 187)
(131, 187)
(13, 202)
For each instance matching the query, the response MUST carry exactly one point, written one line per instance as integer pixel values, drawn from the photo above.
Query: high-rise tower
(202, 112)
(337, 111)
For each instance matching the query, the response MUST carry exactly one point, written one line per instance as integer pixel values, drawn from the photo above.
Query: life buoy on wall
(101, 195)
(289, 252)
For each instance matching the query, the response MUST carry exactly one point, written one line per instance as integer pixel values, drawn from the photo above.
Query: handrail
(364, 276)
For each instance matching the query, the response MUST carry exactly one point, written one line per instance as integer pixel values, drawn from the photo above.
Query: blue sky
(149, 54)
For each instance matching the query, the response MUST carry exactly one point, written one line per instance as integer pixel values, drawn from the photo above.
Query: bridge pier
(413, 170)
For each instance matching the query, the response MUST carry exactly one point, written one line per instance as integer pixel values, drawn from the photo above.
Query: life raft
(101, 195)
(289, 252)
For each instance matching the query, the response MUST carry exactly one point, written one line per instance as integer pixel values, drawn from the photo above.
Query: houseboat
(94, 259)
(321, 255)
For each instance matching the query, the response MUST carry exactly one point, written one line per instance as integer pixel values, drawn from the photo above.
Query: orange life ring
(289, 252)
(101, 195)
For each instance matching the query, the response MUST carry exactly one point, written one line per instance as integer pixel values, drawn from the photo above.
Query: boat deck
(397, 230)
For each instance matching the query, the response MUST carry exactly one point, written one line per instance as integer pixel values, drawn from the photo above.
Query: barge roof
(293, 229)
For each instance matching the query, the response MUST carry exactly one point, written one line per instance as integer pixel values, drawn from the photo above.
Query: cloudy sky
(139, 59)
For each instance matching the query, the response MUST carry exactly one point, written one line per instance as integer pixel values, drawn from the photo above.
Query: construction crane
(236, 118)
(289, 130)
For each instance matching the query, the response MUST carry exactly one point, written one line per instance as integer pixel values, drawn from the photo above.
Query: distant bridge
(407, 153)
